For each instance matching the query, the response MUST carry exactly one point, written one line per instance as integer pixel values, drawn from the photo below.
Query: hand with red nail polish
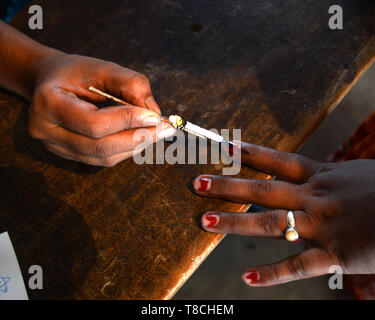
(202, 184)
(251, 278)
(332, 205)
(210, 220)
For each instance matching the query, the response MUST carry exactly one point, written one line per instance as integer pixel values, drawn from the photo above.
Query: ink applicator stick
(175, 121)
(181, 124)
(108, 96)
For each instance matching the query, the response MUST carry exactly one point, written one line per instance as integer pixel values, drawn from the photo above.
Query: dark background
(8, 8)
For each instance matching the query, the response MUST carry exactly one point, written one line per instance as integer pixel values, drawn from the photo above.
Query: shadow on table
(24, 144)
(43, 230)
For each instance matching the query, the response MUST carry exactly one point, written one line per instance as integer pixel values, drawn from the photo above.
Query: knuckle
(223, 186)
(320, 185)
(234, 222)
(305, 167)
(128, 119)
(269, 222)
(94, 128)
(107, 67)
(105, 124)
(297, 266)
(139, 85)
(282, 157)
(140, 80)
(273, 273)
(259, 189)
(316, 219)
(103, 148)
(317, 192)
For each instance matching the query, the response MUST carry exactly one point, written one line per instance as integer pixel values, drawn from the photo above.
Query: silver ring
(291, 233)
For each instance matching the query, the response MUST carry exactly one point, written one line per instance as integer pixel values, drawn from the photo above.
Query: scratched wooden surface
(271, 68)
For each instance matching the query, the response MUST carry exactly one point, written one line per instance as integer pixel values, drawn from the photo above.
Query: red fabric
(360, 146)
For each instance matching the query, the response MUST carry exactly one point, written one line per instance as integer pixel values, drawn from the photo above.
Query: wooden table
(271, 68)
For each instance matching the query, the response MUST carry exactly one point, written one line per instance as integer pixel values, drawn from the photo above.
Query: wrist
(39, 66)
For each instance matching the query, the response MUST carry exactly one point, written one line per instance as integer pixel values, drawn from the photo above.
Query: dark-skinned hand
(64, 115)
(333, 205)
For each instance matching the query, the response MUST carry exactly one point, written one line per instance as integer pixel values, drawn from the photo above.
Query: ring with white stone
(291, 233)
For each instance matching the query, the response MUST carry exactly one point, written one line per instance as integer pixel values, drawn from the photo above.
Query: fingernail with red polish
(251, 277)
(210, 220)
(202, 184)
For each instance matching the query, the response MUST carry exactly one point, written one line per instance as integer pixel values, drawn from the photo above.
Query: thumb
(126, 117)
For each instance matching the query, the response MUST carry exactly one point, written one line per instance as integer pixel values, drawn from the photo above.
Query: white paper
(12, 286)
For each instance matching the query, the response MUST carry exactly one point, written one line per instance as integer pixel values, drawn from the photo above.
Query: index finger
(287, 166)
(131, 86)
(84, 118)
(267, 193)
